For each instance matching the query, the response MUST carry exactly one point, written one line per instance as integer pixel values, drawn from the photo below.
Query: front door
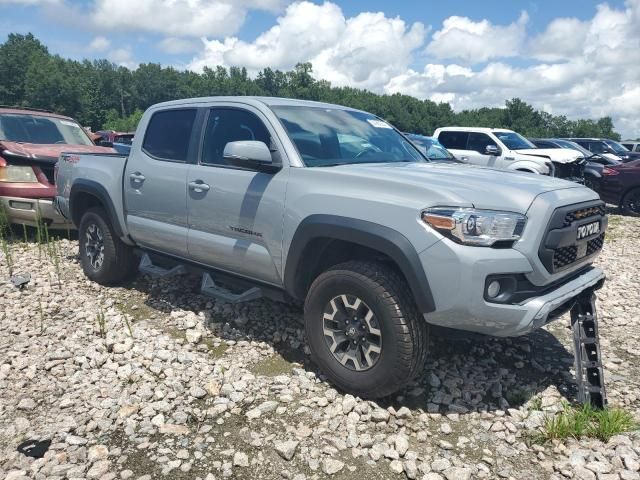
(236, 214)
(477, 147)
(155, 182)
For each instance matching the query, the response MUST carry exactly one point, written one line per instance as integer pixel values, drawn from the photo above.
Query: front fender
(532, 166)
(372, 235)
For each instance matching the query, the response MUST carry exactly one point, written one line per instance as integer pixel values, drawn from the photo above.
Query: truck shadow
(464, 373)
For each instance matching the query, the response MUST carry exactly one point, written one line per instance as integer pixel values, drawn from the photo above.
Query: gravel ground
(183, 387)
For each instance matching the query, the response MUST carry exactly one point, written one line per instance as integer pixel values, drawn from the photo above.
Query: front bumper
(457, 276)
(26, 211)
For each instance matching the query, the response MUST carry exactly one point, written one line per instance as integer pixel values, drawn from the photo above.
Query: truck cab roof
(252, 100)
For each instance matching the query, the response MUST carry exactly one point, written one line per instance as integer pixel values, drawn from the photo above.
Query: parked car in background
(432, 148)
(631, 146)
(501, 148)
(119, 141)
(621, 186)
(595, 163)
(333, 207)
(606, 147)
(30, 144)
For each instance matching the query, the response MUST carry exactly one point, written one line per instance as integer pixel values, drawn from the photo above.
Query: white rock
(331, 466)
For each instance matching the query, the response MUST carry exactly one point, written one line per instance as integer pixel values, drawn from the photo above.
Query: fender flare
(368, 234)
(90, 187)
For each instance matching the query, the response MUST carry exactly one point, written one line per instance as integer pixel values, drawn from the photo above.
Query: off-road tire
(625, 204)
(404, 330)
(119, 261)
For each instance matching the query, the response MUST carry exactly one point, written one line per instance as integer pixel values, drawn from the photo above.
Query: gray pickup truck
(335, 208)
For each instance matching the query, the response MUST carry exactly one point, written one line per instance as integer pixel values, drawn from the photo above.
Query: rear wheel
(630, 204)
(105, 258)
(364, 330)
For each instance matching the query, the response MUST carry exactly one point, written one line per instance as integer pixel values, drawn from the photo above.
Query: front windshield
(42, 130)
(574, 146)
(431, 147)
(514, 141)
(334, 136)
(616, 147)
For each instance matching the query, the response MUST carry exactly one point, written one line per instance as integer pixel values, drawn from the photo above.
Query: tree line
(101, 94)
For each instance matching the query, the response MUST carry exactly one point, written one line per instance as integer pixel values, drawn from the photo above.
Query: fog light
(493, 290)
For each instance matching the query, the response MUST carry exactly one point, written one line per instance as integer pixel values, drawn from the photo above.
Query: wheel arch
(86, 194)
(322, 241)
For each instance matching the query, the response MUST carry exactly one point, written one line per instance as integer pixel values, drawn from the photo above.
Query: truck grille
(584, 213)
(561, 248)
(565, 256)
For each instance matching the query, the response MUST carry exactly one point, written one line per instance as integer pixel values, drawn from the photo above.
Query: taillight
(609, 172)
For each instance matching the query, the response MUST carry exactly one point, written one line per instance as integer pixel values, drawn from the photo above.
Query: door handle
(198, 186)
(137, 177)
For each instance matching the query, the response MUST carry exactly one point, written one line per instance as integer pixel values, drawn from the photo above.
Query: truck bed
(102, 169)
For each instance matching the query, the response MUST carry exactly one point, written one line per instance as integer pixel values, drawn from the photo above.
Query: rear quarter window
(454, 140)
(169, 133)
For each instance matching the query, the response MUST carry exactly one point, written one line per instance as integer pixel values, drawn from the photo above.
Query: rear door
(155, 181)
(456, 142)
(236, 214)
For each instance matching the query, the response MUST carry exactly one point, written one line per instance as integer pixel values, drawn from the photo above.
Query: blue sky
(574, 57)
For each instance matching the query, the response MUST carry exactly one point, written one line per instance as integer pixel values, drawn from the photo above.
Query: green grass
(585, 421)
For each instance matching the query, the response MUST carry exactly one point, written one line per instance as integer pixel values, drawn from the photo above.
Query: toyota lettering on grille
(587, 230)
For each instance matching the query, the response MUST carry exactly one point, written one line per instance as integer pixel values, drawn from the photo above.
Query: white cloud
(123, 57)
(476, 42)
(100, 44)
(175, 45)
(563, 39)
(181, 18)
(366, 50)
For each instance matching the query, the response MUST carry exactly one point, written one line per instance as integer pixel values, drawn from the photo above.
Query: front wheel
(105, 258)
(364, 330)
(630, 204)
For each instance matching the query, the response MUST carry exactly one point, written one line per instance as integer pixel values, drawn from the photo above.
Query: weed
(102, 324)
(585, 421)
(6, 250)
(41, 313)
(126, 322)
(25, 237)
(536, 403)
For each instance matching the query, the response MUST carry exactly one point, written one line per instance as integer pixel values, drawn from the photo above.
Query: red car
(30, 143)
(621, 185)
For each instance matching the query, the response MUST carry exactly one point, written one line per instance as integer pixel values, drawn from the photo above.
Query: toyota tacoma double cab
(334, 208)
(502, 148)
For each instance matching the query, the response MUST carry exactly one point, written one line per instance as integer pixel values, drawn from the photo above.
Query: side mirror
(249, 154)
(105, 143)
(492, 150)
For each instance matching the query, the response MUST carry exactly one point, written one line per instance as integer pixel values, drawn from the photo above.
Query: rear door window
(454, 140)
(169, 133)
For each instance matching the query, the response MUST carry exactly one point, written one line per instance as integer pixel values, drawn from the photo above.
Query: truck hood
(30, 153)
(450, 184)
(560, 155)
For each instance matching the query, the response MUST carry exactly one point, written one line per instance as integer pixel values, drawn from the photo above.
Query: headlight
(470, 226)
(17, 174)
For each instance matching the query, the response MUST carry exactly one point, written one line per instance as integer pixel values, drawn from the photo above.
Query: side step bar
(207, 287)
(586, 345)
(147, 266)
